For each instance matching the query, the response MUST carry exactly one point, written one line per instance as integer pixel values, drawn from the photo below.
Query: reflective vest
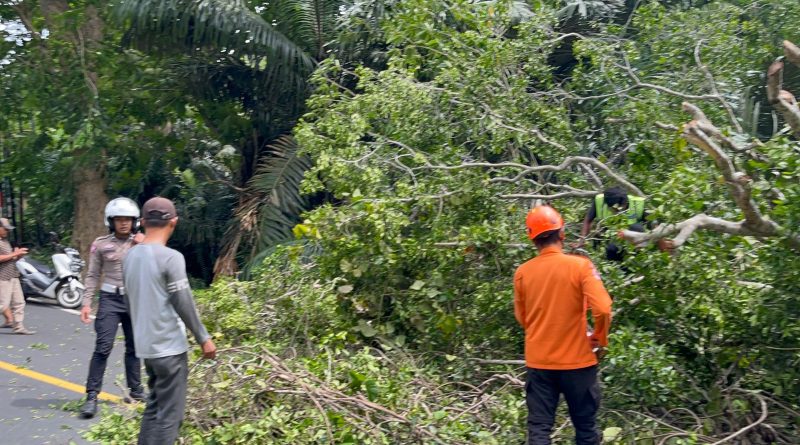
(635, 211)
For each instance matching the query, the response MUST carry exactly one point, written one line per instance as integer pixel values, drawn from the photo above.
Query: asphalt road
(54, 362)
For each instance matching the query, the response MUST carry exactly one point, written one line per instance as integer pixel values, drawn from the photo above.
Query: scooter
(61, 283)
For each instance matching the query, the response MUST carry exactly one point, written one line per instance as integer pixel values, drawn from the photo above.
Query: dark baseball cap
(159, 208)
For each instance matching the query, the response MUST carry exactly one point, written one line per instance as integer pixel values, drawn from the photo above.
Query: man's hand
(86, 311)
(209, 350)
(666, 245)
(138, 238)
(600, 353)
(598, 350)
(20, 252)
(578, 244)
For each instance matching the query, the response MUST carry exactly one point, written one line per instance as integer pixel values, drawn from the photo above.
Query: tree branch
(761, 419)
(704, 124)
(24, 15)
(754, 223)
(713, 85)
(639, 84)
(781, 99)
(686, 228)
(526, 170)
(666, 127)
(792, 52)
(576, 194)
(593, 176)
(738, 182)
(497, 362)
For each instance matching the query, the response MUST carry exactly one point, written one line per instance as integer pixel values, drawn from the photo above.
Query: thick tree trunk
(89, 178)
(90, 201)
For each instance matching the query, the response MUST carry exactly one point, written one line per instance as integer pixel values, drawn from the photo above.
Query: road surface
(41, 373)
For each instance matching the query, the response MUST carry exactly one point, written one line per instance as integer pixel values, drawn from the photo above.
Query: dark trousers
(167, 378)
(582, 393)
(615, 252)
(111, 312)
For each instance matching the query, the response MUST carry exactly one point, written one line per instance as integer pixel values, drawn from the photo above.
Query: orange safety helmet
(543, 219)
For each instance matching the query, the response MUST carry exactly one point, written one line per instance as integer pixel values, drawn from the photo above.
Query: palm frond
(218, 24)
(519, 10)
(271, 207)
(590, 9)
(359, 33)
(309, 23)
(277, 183)
(268, 97)
(321, 19)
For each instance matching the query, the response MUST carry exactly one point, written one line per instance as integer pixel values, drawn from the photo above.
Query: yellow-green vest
(635, 210)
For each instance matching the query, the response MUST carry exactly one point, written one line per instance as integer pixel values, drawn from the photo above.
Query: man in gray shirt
(161, 308)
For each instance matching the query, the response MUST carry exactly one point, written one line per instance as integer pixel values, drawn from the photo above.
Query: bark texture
(90, 202)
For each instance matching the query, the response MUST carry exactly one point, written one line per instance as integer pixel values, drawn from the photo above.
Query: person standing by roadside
(161, 308)
(10, 288)
(552, 293)
(105, 274)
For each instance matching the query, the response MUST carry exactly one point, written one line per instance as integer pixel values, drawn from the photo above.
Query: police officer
(105, 275)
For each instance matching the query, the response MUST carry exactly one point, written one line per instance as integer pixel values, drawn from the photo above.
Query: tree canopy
(369, 165)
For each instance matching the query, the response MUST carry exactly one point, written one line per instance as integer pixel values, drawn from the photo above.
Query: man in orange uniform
(551, 295)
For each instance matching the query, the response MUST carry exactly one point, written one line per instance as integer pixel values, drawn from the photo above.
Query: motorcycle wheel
(67, 298)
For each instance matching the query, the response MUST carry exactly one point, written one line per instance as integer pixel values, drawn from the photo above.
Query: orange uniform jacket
(551, 295)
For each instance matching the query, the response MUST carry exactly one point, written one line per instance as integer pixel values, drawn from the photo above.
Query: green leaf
(221, 385)
(365, 329)
(611, 433)
(373, 391)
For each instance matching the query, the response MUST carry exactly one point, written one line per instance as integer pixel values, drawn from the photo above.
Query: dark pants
(582, 393)
(167, 378)
(614, 251)
(110, 314)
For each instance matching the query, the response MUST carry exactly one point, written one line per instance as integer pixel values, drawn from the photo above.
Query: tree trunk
(88, 174)
(90, 201)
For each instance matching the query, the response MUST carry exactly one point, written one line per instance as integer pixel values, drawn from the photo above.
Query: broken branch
(781, 99)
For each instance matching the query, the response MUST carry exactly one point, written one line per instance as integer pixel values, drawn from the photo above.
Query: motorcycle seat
(40, 267)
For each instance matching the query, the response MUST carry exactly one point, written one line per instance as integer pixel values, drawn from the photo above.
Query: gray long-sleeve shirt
(160, 301)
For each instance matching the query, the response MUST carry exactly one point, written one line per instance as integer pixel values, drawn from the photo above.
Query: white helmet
(121, 207)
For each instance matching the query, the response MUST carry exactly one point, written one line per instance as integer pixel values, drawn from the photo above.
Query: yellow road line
(56, 381)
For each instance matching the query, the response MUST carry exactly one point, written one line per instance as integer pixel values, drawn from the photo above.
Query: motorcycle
(62, 283)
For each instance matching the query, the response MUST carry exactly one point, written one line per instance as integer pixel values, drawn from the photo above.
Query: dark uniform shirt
(105, 260)
(8, 269)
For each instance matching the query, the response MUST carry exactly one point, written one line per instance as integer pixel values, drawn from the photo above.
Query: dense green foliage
(375, 324)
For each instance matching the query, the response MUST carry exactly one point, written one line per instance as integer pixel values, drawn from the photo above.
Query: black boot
(136, 396)
(89, 408)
